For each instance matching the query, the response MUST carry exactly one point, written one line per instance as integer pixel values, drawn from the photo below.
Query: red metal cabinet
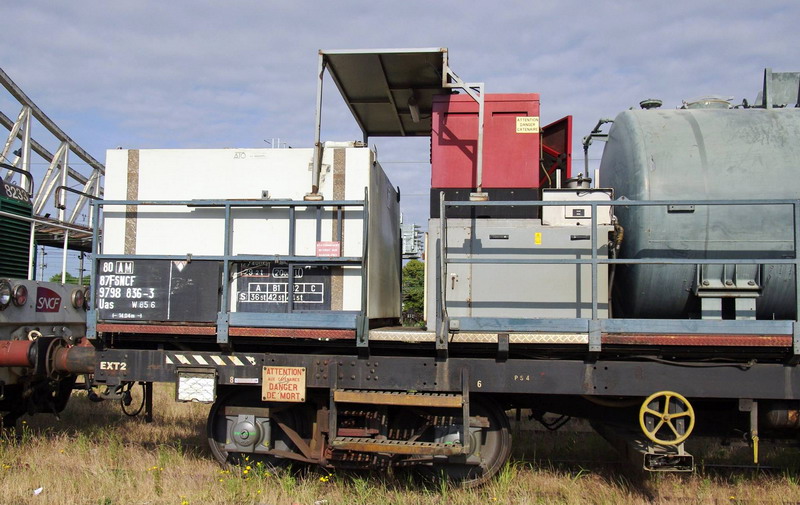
(510, 142)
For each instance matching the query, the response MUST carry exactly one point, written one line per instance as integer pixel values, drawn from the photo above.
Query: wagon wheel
(666, 418)
(490, 449)
(222, 429)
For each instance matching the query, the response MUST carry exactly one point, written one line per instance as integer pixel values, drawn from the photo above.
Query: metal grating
(196, 387)
(14, 238)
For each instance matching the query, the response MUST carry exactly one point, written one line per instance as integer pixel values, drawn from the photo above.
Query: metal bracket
(502, 346)
(796, 341)
(465, 438)
(751, 406)
(595, 336)
(362, 335)
(91, 323)
(476, 91)
(362, 321)
(148, 402)
(442, 337)
(332, 414)
(222, 328)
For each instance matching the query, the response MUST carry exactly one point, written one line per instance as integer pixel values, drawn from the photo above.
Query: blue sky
(206, 73)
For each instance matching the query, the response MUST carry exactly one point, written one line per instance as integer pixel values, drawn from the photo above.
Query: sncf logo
(47, 300)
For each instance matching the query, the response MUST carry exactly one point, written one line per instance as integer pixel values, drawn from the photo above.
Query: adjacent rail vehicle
(46, 315)
(658, 301)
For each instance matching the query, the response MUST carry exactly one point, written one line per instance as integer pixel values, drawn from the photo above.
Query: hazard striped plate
(206, 359)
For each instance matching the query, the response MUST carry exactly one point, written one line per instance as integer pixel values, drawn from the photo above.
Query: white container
(249, 174)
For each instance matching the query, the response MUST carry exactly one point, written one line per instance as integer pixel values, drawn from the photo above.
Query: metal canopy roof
(378, 86)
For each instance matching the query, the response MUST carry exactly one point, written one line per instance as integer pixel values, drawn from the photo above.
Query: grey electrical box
(575, 215)
(507, 290)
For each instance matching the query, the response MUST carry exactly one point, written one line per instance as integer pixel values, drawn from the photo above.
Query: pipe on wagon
(16, 353)
(77, 359)
(74, 359)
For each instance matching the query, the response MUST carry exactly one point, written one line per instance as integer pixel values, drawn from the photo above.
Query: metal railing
(355, 320)
(594, 326)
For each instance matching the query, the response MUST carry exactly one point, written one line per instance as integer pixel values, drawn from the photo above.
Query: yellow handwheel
(663, 408)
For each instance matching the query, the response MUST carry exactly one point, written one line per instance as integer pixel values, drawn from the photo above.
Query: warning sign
(527, 124)
(329, 249)
(283, 384)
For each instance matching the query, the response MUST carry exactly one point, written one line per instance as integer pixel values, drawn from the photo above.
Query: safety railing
(328, 319)
(595, 325)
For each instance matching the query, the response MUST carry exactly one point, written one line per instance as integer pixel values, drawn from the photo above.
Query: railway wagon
(37, 319)
(658, 300)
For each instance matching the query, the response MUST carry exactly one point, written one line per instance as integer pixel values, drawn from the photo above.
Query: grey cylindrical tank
(703, 154)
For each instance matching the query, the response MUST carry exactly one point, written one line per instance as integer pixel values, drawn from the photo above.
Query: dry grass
(96, 455)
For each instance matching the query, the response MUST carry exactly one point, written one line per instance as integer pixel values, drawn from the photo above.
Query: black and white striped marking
(207, 360)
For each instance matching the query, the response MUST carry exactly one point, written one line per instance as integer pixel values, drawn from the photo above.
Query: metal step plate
(398, 398)
(395, 446)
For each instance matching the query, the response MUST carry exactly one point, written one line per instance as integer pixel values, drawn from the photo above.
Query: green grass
(96, 455)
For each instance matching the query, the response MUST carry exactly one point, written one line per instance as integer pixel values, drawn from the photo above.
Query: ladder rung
(395, 446)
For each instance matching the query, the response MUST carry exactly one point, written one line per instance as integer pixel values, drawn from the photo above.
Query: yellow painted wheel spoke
(658, 427)
(681, 414)
(677, 435)
(648, 410)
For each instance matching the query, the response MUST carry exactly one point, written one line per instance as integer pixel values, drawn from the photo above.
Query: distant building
(411, 236)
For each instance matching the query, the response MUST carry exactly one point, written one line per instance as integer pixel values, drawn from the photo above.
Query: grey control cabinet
(508, 290)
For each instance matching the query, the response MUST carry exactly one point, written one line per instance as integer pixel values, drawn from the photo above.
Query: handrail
(239, 203)
(22, 172)
(228, 258)
(60, 189)
(571, 323)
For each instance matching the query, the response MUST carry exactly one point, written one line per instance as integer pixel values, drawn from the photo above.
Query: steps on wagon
(397, 398)
(445, 400)
(394, 446)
